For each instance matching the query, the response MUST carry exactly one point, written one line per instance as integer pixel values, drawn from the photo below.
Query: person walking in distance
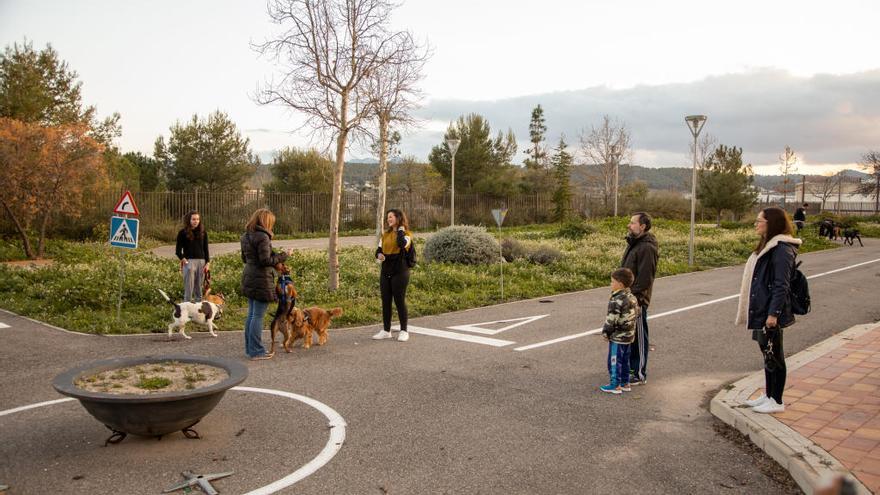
(192, 251)
(394, 274)
(800, 217)
(640, 257)
(764, 300)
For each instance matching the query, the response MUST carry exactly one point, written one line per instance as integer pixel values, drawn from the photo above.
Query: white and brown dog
(203, 313)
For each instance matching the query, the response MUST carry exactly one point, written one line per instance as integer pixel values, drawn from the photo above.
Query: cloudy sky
(768, 74)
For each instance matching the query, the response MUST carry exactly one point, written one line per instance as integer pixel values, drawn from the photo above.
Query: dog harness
(283, 282)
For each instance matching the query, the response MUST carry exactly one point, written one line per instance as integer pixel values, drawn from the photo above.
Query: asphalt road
(439, 414)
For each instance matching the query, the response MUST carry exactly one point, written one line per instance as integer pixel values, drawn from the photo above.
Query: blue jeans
(618, 364)
(253, 328)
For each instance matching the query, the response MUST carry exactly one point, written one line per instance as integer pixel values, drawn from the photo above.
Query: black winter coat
(771, 286)
(641, 258)
(258, 279)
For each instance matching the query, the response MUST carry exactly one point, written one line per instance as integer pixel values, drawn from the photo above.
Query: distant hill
(358, 173)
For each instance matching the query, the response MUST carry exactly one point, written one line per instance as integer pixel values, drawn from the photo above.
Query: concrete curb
(808, 463)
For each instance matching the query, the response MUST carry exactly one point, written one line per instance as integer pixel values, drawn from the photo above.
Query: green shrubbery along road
(79, 290)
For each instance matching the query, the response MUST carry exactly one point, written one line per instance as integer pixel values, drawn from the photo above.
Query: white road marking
(3, 325)
(457, 336)
(674, 311)
(336, 425)
(476, 327)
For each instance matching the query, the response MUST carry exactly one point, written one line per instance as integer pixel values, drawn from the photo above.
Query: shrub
(512, 249)
(462, 244)
(575, 230)
(543, 254)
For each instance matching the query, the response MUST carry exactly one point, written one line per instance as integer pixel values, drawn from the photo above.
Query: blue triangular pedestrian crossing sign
(124, 232)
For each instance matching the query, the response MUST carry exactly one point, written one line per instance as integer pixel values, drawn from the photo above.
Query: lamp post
(452, 144)
(695, 124)
(614, 154)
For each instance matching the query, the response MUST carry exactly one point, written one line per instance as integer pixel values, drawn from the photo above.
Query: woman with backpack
(395, 252)
(765, 300)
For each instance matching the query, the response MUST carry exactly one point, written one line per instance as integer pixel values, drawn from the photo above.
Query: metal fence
(310, 212)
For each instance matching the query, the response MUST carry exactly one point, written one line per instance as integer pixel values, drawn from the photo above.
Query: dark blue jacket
(771, 285)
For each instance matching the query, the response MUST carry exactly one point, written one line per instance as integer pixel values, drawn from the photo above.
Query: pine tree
(537, 129)
(725, 183)
(562, 162)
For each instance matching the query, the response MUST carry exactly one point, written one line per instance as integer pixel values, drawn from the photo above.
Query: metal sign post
(499, 215)
(124, 233)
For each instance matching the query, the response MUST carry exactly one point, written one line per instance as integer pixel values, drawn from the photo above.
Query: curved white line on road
(34, 406)
(334, 443)
(674, 311)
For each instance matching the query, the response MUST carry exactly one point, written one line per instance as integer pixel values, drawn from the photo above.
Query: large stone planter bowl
(153, 414)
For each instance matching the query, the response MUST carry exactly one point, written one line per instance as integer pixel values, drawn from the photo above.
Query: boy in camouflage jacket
(619, 330)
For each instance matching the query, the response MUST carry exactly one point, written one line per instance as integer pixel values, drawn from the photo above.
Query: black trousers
(393, 287)
(770, 343)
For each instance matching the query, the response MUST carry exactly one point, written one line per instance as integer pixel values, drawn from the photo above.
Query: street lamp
(614, 153)
(695, 124)
(452, 144)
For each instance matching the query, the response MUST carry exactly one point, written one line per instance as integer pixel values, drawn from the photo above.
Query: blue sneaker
(611, 389)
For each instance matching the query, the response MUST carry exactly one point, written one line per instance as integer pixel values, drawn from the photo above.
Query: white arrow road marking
(477, 327)
(457, 336)
(3, 325)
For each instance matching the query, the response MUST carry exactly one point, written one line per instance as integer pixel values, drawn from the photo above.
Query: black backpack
(410, 255)
(800, 292)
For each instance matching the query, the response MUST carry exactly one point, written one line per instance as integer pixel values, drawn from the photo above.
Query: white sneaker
(756, 402)
(382, 334)
(769, 407)
(403, 336)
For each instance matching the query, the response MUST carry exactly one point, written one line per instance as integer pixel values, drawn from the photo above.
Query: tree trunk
(877, 195)
(718, 222)
(383, 175)
(41, 243)
(21, 232)
(336, 200)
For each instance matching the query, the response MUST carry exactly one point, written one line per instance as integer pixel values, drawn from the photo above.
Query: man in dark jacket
(641, 258)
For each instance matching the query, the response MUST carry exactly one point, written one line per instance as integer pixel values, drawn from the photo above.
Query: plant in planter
(129, 395)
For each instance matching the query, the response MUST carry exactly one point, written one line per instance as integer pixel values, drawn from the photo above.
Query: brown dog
(217, 298)
(309, 320)
(286, 292)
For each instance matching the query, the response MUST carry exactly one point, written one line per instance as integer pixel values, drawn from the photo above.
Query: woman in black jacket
(258, 280)
(192, 251)
(394, 276)
(764, 301)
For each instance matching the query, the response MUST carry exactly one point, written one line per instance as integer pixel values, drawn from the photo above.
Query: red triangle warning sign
(126, 205)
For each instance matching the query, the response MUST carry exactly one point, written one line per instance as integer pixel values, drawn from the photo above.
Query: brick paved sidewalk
(835, 402)
(831, 422)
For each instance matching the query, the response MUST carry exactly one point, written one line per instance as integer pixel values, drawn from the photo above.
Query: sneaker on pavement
(769, 407)
(403, 336)
(625, 388)
(757, 401)
(611, 389)
(382, 334)
(636, 382)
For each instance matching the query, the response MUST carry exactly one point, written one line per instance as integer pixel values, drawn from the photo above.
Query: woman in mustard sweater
(394, 276)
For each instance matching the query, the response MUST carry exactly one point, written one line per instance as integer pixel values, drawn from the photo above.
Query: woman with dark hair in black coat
(764, 301)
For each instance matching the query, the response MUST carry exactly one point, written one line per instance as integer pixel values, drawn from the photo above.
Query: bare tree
(606, 147)
(787, 165)
(325, 52)
(823, 188)
(392, 93)
(871, 186)
(706, 147)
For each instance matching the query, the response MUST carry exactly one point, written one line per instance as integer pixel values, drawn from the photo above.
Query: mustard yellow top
(389, 243)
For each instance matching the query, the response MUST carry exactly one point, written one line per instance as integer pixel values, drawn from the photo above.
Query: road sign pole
(121, 282)
(501, 249)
